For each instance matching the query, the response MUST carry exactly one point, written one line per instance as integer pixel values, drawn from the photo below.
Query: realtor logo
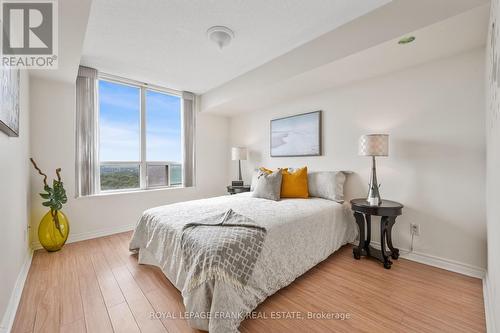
(29, 34)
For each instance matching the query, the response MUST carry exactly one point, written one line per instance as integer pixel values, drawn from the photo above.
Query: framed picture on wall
(9, 101)
(298, 135)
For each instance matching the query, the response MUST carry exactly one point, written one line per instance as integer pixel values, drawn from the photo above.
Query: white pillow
(327, 185)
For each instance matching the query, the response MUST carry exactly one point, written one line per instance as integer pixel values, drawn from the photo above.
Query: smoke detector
(220, 35)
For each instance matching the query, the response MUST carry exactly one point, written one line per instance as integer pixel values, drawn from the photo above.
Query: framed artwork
(9, 101)
(298, 135)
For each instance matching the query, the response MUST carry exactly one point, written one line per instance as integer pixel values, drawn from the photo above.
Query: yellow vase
(52, 238)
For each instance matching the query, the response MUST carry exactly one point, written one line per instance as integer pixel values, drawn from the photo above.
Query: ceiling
(165, 43)
(297, 47)
(458, 34)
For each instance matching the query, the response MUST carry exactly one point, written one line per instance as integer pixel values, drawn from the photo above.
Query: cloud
(160, 101)
(163, 148)
(118, 96)
(121, 142)
(122, 101)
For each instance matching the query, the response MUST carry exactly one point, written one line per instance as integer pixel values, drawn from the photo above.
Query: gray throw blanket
(222, 247)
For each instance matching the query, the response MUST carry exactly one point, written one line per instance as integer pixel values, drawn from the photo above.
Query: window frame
(143, 163)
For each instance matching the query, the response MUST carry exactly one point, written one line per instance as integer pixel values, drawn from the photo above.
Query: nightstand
(363, 212)
(238, 189)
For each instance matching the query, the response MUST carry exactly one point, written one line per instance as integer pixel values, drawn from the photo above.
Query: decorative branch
(40, 171)
(55, 218)
(55, 196)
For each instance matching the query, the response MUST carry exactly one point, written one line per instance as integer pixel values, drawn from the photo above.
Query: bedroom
(215, 161)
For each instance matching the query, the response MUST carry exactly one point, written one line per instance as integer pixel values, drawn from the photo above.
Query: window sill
(133, 191)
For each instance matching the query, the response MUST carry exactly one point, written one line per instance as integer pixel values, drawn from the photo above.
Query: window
(140, 136)
(163, 138)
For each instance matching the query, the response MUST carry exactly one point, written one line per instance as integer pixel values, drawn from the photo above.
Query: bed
(300, 234)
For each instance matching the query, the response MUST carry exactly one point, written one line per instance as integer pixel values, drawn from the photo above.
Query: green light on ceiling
(406, 40)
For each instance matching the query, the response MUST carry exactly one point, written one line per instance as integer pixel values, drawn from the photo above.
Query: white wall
(53, 145)
(434, 115)
(493, 172)
(14, 205)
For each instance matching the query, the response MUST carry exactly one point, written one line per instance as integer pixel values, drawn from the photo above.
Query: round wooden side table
(363, 212)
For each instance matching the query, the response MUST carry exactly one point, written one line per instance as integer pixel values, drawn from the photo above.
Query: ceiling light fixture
(406, 40)
(220, 35)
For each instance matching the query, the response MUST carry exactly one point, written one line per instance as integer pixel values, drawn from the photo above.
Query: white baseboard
(35, 245)
(489, 309)
(15, 297)
(447, 264)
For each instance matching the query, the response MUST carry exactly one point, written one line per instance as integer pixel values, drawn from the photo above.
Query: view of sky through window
(163, 127)
(119, 122)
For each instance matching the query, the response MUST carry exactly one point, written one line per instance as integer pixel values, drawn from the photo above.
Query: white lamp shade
(238, 153)
(374, 145)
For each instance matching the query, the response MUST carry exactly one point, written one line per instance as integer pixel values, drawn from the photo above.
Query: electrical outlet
(415, 229)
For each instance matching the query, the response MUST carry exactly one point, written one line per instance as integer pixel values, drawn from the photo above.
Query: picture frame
(9, 101)
(297, 136)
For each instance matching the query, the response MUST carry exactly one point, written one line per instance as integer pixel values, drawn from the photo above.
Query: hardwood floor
(97, 286)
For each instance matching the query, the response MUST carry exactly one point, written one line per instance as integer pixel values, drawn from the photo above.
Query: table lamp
(374, 145)
(238, 154)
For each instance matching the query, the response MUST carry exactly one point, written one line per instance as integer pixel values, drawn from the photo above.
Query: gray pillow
(327, 185)
(268, 186)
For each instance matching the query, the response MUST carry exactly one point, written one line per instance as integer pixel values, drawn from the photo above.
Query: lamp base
(374, 201)
(373, 197)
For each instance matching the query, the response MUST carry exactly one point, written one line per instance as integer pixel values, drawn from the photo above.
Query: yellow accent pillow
(294, 184)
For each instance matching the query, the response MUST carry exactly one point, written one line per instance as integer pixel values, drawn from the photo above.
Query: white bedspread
(300, 234)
